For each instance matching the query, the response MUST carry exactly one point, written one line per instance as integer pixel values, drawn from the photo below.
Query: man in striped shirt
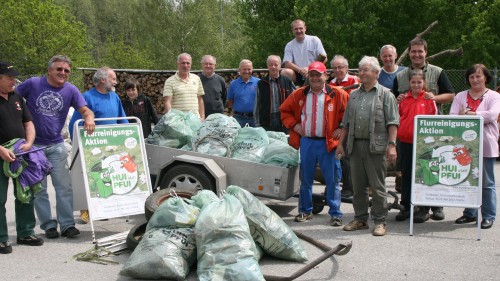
(313, 114)
(184, 91)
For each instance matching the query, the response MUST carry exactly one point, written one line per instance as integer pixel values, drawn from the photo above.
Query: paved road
(437, 251)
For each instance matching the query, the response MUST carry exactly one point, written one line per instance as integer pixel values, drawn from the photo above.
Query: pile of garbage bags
(224, 236)
(221, 135)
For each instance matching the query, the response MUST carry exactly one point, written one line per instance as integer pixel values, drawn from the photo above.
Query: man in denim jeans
(49, 99)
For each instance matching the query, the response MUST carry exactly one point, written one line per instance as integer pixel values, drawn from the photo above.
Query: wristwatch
(392, 142)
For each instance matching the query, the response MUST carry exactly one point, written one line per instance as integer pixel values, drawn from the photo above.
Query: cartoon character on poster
(448, 165)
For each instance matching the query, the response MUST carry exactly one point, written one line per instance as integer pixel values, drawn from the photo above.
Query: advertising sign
(447, 161)
(115, 170)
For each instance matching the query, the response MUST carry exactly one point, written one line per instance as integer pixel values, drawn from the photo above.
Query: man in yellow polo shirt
(184, 91)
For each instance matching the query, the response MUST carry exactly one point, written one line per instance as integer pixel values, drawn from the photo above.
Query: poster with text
(447, 161)
(115, 169)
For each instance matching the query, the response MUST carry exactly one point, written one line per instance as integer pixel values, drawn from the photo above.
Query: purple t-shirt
(49, 107)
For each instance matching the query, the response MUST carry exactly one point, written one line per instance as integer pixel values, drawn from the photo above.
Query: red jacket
(408, 109)
(291, 110)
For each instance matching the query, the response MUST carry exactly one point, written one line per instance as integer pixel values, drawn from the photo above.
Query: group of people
(366, 119)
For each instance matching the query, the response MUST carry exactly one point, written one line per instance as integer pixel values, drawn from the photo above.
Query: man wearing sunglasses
(49, 98)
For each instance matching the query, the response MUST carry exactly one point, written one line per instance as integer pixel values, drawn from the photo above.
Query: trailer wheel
(156, 199)
(187, 178)
(135, 235)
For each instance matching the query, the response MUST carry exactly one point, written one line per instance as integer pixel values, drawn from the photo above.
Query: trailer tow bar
(339, 250)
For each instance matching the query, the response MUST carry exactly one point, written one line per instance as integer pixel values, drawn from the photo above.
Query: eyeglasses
(59, 69)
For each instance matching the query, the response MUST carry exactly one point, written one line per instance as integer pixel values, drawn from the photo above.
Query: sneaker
(356, 225)
(421, 216)
(31, 240)
(303, 217)
(335, 221)
(70, 232)
(379, 229)
(403, 215)
(5, 248)
(84, 216)
(437, 214)
(51, 233)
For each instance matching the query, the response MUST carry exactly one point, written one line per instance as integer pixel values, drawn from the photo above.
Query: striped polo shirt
(184, 93)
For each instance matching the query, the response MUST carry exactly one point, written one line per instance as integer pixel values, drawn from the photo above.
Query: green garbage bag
(268, 230)
(225, 248)
(281, 154)
(277, 136)
(174, 129)
(250, 144)
(203, 198)
(175, 212)
(216, 135)
(162, 253)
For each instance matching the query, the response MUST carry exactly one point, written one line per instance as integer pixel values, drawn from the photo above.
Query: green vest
(432, 74)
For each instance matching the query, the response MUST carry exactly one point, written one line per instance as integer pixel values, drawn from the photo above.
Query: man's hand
(89, 125)
(391, 154)
(303, 71)
(400, 98)
(7, 155)
(429, 96)
(336, 134)
(26, 146)
(339, 152)
(298, 129)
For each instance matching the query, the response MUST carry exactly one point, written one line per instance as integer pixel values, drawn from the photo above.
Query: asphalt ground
(439, 250)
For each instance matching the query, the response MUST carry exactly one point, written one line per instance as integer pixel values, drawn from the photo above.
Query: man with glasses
(370, 124)
(342, 78)
(214, 86)
(49, 98)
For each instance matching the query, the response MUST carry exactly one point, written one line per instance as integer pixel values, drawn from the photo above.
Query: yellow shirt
(184, 93)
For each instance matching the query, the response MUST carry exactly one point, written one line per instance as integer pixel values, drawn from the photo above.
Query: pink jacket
(489, 110)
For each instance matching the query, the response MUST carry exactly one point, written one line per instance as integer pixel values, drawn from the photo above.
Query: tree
(33, 31)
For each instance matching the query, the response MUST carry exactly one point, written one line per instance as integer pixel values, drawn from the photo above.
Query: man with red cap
(313, 114)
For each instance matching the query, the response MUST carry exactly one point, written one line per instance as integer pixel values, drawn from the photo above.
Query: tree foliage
(33, 31)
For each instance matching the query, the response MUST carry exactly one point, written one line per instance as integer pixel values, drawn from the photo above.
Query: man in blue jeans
(49, 99)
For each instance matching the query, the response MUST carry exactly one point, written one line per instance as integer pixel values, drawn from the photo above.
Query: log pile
(152, 82)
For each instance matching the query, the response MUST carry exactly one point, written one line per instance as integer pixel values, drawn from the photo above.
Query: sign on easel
(447, 161)
(113, 168)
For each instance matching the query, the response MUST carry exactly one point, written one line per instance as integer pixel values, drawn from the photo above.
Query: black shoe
(346, 193)
(31, 240)
(464, 219)
(421, 216)
(437, 214)
(70, 232)
(5, 248)
(403, 215)
(486, 224)
(51, 233)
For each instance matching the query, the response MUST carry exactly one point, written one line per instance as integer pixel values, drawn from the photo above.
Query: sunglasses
(59, 69)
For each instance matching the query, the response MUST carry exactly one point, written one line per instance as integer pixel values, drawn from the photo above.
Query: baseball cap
(6, 68)
(317, 66)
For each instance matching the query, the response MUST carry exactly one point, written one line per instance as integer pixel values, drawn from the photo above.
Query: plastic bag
(225, 247)
(174, 128)
(277, 136)
(163, 253)
(250, 144)
(268, 230)
(203, 198)
(216, 135)
(175, 212)
(280, 154)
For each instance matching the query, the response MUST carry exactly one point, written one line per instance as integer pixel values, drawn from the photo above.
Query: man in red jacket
(313, 114)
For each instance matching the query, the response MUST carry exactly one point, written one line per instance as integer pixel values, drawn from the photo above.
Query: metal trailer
(192, 171)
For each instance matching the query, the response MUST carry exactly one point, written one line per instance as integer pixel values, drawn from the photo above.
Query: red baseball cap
(317, 66)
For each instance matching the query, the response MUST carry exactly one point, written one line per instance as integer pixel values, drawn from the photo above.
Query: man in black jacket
(271, 92)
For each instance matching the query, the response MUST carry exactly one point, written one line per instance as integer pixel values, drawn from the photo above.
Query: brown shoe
(379, 229)
(356, 225)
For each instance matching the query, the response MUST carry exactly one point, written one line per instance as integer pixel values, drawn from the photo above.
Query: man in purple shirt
(49, 98)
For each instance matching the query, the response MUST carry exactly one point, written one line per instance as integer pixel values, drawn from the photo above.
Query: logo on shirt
(330, 107)
(49, 103)
(18, 106)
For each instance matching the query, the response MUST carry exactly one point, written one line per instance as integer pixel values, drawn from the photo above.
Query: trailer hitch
(340, 250)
